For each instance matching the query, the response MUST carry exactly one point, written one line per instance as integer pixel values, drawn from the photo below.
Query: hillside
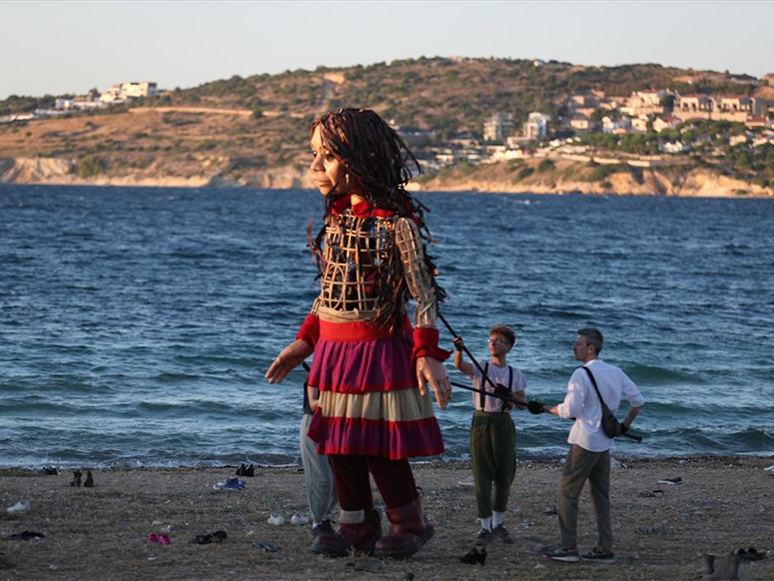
(254, 130)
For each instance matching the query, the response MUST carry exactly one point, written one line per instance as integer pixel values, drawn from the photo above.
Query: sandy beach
(721, 504)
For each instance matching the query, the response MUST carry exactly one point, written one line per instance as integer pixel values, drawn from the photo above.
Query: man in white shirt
(589, 455)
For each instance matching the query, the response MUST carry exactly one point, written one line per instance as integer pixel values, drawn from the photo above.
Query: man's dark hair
(593, 337)
(506, 332)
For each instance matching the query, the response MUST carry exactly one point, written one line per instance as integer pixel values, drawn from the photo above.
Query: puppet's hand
(287, 360)
(432, 371)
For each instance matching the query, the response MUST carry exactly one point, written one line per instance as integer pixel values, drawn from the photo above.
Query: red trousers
(393, 478)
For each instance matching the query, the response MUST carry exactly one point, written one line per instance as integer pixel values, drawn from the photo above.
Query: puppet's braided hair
(379, 165)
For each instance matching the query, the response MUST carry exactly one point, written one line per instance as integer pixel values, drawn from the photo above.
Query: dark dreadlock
(379, 165)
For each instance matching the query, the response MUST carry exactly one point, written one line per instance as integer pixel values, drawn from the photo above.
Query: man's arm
(631, 414)
(459, 363)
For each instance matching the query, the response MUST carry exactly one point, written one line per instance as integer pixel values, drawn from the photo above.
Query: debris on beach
(216, 537)
(266, 546)
(26, 536)
(76, 478)
(658, 529)
(245, 470)
(276, 519)
(672, 481)
(21, 507)
(298, 519)
(48, 471)
(474, 556)
(232, 483)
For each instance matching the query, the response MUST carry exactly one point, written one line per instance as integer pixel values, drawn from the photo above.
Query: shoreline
(722, 504)
(450, 463)
(491, 178)
(472, 189)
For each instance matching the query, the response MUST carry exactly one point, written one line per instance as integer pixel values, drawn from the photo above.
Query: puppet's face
(328, 172)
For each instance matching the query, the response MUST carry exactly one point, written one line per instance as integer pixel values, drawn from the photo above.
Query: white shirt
(497, 375)
(583, 404)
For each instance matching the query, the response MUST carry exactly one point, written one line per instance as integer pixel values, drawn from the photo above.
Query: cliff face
(58, 171)
(562, 178)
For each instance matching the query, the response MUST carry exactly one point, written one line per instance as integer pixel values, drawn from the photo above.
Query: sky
(64, 47)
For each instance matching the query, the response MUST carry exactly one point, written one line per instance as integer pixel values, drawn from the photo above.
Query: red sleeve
(426, 344)
(310, 330)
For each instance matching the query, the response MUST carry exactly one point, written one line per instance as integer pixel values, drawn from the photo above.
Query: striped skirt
(369, 402)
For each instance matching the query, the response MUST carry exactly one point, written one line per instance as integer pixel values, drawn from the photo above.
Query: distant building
(137, 90)
(645, 103)
(639, 124)
(735, 108)
(536, 126)
(498, 126)
(583, 124)
(616, 126)
(661, 123)
(673, 147)
(121, 92)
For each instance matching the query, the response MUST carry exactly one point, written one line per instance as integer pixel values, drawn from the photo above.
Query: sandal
(648, 494)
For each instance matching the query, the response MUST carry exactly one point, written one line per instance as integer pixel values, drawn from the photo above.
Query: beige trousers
(582, 465)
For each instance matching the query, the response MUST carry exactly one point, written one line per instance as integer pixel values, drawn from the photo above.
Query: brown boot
(358, 529)
(410, 530)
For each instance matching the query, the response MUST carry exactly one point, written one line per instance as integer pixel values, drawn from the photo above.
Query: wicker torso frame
(358, 274)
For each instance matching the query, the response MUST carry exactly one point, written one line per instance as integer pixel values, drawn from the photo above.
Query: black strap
(594, 383)
(482, 396)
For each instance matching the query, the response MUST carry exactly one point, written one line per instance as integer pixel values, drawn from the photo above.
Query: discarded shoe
(751, 554)
(26, 536)
(475, 556)
(21, 507)
(276, 519)
(76, 478)
(266, 546)
(89, 480)
(653, 494)
(298, 519)
(232, 483)
(245, 470)
(216, 537)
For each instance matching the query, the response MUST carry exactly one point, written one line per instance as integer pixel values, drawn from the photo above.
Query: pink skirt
(369, 401)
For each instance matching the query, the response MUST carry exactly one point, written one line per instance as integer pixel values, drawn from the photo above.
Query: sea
(136, 324)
